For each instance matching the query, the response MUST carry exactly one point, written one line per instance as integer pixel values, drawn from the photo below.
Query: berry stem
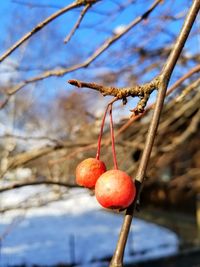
(102, 126)
(113, 139)
(101, 132)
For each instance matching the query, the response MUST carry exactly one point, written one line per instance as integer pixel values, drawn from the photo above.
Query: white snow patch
(75, 229)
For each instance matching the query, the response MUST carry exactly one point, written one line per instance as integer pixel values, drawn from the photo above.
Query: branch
(137, 143)
(108, 42)
(10, 227)
(41, 25)
(150, 107)
(117, 260)
(25, 157)
(28, 183)
(32, 202)
(183, 78)
(142, 91)
(84, 11)
(191, 129)
(179, 112)
(4, 102)
(36, 138)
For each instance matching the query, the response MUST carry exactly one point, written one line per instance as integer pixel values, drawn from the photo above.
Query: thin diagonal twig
(108, 42)
(76, 26)
(39, 26)
(34, 182)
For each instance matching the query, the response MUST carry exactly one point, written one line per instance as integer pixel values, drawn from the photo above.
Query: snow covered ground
(76, 230)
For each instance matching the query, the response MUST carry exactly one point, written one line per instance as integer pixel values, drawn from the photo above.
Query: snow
(76, 230)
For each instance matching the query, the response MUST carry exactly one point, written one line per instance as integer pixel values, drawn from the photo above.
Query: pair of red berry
(114, 188)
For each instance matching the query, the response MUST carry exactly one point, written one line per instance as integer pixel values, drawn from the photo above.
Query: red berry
(115, 189)
(88, 171)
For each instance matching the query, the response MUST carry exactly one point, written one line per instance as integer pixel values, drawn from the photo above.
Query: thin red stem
(101, 133)
(102, 126)
(113, 139)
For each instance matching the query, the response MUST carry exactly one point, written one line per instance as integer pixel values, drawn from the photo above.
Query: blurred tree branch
(83, 12)
(135, 60)
(42, 24)
(25, 157)
(35, 182)
(86, 63)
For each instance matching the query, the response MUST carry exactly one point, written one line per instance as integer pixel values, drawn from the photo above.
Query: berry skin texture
(88, 171)
(115, 189)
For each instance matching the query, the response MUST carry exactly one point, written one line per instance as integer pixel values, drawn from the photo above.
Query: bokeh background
(48, 126)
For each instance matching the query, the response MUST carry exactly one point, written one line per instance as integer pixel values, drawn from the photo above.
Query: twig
(11, 227)
(28, 137)
(39, 26)
(150, 107)
(34, 201)
(141, 91)
(117, 260)
(125, 126)
(4, 102)
(76, 26)
(28, 183)
(188, 106)
(25, 157)
(183, 78)
(30, 155)
(191, 129)
(108, 42)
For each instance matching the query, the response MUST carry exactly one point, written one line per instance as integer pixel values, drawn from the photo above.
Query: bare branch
(124, 127)
(191, 129)
(181, 110)
(4, 102)
(183, 78)
(150, 107)
(40, 26)
(142, 91)
(89, 60)
(32, 202)
(10, 227)
(25, 157)
(28, 137)
(76, 26)
(28, 183)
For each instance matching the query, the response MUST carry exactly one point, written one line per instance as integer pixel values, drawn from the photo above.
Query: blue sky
(16, 19)
(87, 34)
